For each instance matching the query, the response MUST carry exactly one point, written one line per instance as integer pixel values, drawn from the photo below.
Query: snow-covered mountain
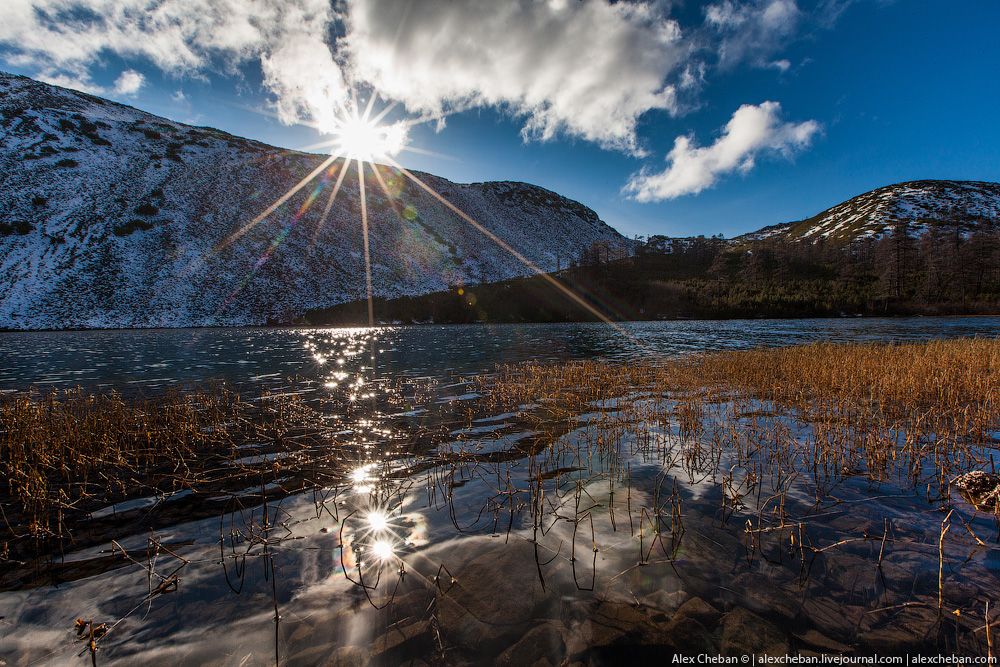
(113, 217)
(919, 204)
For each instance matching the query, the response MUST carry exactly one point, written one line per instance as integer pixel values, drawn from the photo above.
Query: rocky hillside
(112, 217)
(919, 204)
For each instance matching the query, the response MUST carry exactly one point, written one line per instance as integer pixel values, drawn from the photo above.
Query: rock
(688, 636)
(412, 604)
(699, 610)
(746, 633)
(347, 656)
(766, 596)
(894, 640)
(609, 632)
(821, 642)
(980, 488)
(685, 631)
(300, 633)
(314, 656)
(494, 600)
(542, 644)
(911, 630)
(836, 619)
(603, 623)
(400, 641)
(652, 579)
(664, 601)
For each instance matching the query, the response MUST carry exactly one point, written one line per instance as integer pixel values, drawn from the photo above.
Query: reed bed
(780, 432)
(768, 427)
(949, 375)
(870, 404)
(65, 452)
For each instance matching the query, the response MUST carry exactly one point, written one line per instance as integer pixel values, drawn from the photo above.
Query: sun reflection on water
(383, 549)
(377, 521)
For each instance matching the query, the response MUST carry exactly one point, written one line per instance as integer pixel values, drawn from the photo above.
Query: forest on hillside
(944, 270)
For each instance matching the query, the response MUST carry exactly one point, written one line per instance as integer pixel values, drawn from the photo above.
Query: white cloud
(129, 82)
(752, 131)
(64, 39)
(307, 83)
(81, 83)
(751, 31)
(583, 68)
(586, 69)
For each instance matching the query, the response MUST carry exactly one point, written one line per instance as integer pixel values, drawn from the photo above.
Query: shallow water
(459, 534)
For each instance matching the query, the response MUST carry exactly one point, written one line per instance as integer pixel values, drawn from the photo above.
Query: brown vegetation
(922, 412)
(606, 465)
(66, 452)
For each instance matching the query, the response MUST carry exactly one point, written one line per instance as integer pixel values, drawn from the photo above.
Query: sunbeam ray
(364, 234)
(424, 151)
(566, 291)
(281, 200)
(383, 113)
(329, 203)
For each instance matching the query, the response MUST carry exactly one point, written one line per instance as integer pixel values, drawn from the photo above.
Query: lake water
(434, 529)
(152, 359)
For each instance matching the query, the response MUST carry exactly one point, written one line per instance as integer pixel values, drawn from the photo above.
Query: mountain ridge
(112, 217)
(918, 205)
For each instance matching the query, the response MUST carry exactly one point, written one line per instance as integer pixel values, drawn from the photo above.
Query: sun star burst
(358, 137)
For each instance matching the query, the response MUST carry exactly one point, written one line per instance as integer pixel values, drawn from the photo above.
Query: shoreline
(380, 325)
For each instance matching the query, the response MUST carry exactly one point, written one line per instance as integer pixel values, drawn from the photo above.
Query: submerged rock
(746, 633)
(412, 639)
(699, 610)
(543, 644)
(495, 599)
(822, 643)
(980, 488)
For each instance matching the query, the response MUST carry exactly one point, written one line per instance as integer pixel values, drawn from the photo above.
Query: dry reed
(64, 452)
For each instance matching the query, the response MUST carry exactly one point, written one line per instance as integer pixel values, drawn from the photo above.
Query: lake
(160, 358)
(437, 527)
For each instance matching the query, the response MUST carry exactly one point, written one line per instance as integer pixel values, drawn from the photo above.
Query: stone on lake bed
(495, 598)
(746, 633)
(415, 638)
(980, 488)
(699, 610)
(821, 642)
(543, 643)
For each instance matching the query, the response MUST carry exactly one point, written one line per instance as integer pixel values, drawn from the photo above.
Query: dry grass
(780, 431)
(64, 451)
(944, 375)
(874, 408)
(761, 424)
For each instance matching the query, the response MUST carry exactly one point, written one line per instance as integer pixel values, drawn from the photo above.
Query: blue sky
(867, 93)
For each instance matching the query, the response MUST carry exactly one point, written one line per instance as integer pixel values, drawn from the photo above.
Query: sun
(357, 137)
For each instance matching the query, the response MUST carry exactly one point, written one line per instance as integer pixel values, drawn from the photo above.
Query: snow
(132, 232)
(918, 203)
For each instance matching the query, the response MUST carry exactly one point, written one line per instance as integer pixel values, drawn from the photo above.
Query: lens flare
(360, 138)
(377, 521)
(362, 474)
(383, 550)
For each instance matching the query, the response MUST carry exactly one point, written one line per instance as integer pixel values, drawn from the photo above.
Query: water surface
(262, 356)
(438, 529)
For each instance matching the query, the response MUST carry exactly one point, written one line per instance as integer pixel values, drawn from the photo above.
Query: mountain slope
(112, 217)
(919, 204)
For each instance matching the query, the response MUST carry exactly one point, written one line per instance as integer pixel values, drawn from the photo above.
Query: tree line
(924, 267)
